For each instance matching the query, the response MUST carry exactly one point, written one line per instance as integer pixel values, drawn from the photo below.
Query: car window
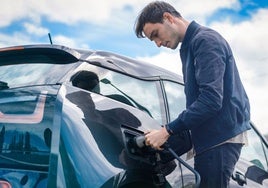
(31, 74)
(138, 93)
(256, 151)
(175, 98)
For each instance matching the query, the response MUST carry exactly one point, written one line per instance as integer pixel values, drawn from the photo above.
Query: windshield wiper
(3, 85)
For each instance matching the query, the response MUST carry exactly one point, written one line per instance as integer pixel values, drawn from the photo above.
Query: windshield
(31, 74)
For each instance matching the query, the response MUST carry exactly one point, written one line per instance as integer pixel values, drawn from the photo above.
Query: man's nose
(158, 43)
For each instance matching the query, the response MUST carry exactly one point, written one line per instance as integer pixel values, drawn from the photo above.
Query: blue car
(76, 118)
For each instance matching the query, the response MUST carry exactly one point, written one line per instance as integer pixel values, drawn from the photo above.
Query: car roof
(57, 54)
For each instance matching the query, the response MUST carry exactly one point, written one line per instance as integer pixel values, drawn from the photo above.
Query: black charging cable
(140, 142)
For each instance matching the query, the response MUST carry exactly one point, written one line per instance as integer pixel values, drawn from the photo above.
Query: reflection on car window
(131, 91)
(31, 74)
(255, 151)
(175, 98)
(87, 80)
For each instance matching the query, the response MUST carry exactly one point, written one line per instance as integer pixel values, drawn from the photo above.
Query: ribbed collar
(193, 26)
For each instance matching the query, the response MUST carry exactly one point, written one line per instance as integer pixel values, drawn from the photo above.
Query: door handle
(239, 178)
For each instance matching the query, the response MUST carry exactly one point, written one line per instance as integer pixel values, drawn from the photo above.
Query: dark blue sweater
(217, 106)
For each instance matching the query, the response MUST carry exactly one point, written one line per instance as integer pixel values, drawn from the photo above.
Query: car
(76, 118)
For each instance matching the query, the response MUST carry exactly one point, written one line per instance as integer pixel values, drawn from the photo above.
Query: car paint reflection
(100, 144)
(32, 118)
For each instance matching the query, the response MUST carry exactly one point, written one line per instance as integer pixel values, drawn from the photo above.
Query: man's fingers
(147, 141)
(156, 147)
(147, 132)
(152, 139)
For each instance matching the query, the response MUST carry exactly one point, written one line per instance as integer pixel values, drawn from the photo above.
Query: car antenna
(49, 36)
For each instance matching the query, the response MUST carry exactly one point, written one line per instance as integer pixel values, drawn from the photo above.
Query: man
(217, 107)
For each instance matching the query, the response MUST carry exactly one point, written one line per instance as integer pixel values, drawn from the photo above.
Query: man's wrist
(169, 131)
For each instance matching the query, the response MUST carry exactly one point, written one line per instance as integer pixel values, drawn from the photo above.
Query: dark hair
(153, 13)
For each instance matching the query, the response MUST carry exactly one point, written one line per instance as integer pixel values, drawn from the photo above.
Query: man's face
(163, 34)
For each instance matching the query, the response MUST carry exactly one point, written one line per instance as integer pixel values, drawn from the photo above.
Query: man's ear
(169, 17)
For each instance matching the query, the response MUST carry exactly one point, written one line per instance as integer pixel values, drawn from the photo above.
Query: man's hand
(156, 138)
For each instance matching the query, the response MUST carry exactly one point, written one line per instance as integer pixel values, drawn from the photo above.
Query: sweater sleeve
(209, 68)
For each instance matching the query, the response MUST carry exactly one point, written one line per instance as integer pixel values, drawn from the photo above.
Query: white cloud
(117, 16)
(66, 41)
(101, 12)
(168, 59)
(14, 39)
(64, 11)
(35, 29)
(10, 11)
(199, 10)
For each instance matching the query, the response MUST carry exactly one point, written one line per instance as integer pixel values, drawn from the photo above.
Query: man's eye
(154, 35)
(153, 38)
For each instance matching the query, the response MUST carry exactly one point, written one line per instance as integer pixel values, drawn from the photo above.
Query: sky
(109, 25)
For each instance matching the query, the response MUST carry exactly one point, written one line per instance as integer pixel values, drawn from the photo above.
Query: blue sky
(109, 25)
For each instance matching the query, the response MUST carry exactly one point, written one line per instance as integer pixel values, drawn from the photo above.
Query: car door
(251, 169)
